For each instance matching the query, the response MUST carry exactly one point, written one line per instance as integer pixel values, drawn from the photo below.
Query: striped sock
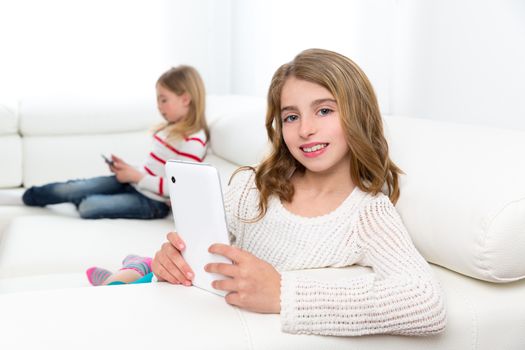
(138, 263)
(97, 276)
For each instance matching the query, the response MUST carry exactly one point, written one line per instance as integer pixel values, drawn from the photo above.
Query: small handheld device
(200, 219)
(107, 160)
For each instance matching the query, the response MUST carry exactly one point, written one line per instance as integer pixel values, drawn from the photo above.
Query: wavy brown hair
(186, 79)
(371, 168)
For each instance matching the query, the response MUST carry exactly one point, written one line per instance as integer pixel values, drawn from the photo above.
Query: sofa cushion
(8, 121)
(481, 316)
(10, 161)
(63, 140)
(463, 195)
(60, 158)
(80, 115)
(237, 129)
(33, 245)
(11, 148)
(50, 281)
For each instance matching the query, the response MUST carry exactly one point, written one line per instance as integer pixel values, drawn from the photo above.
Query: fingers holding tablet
(169, 265)
(228, 270)
(176, 241)
(228, 251)
(253, 283)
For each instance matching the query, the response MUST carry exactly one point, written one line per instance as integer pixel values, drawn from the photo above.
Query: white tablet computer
(198, 212)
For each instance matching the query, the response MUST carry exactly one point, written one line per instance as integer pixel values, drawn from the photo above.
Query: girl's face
(171, 106)
(311, 127)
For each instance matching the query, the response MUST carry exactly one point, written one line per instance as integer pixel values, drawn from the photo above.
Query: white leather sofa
(463, 201)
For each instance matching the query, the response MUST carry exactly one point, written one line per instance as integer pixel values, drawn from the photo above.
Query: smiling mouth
(315, 148)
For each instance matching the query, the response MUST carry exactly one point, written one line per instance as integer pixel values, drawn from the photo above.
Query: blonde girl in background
(317, 201)
(141, 193)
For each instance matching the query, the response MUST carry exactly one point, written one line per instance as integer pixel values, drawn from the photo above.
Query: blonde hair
(180, 80)
(371, 168)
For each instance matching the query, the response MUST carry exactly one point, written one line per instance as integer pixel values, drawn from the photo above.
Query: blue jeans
(98, 198)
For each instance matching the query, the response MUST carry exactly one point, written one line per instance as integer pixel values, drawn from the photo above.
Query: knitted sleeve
(400, 297)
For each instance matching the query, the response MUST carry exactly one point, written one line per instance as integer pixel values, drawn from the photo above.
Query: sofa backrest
(10, 149)
(64, 137)
(462, 198)
(56, 139)
(463, 195)
(237, 127)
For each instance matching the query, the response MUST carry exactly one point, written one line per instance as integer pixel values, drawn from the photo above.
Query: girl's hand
(124, 172)
(169, 265)
(254, 285)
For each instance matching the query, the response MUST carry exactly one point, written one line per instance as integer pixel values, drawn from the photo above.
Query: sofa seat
(25, 231)
(50, 281)
(161, 315)
(73, 245)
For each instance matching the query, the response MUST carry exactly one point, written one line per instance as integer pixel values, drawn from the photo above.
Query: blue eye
(290, 118)
(325, 111)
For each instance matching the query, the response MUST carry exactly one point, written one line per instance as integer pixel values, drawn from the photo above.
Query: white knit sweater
(400, 297)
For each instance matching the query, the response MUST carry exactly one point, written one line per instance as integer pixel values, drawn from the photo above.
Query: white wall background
(460, 60)
(268, 33)
(109, 47)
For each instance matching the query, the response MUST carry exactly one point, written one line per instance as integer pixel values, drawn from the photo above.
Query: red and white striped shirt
(154, 184)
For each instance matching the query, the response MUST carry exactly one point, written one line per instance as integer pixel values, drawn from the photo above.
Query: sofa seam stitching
(486, 232)
(246, 332)
(474, 323)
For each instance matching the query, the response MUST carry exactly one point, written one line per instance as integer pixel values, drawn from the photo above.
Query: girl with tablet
(141, 193)
(324, 197)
